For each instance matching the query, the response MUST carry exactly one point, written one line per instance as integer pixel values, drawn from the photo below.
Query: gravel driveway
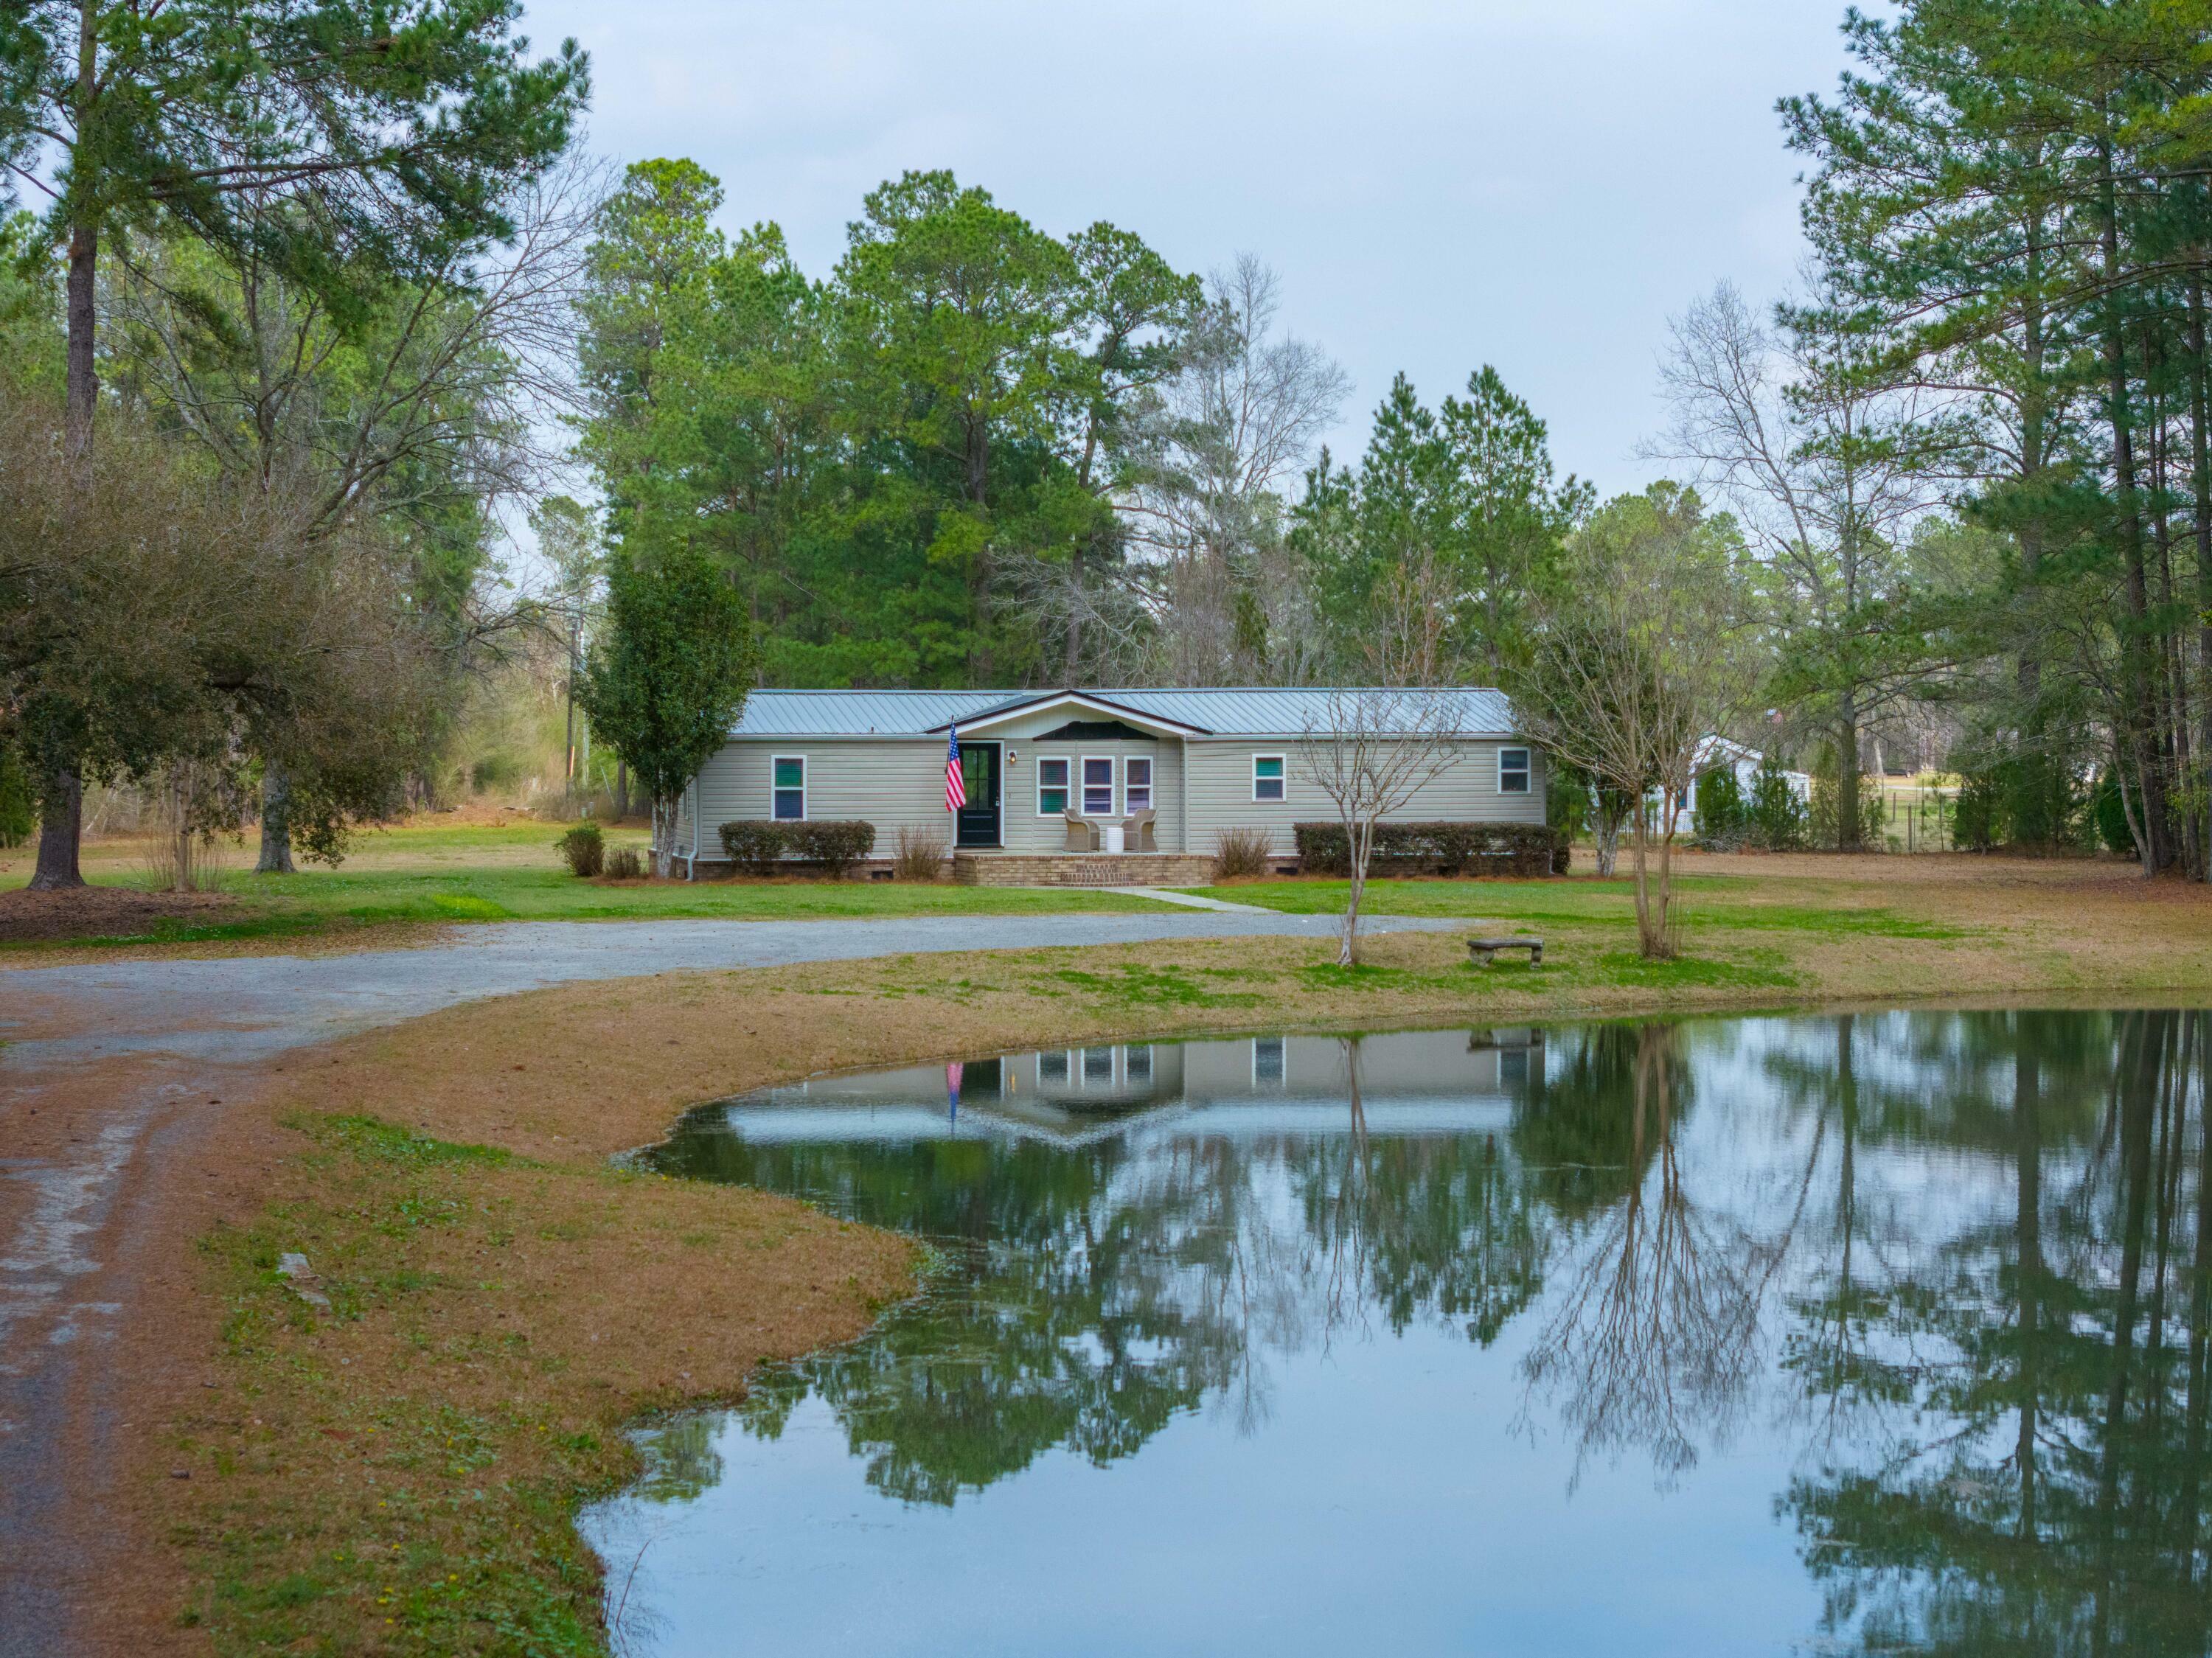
(67, 1276)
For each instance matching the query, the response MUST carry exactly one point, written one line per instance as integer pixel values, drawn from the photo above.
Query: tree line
(335, 285)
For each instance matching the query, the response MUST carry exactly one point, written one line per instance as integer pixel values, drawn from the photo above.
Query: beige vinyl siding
(1027, 832)
(1219, 788)
(900, 783)
(891, 784)
(1199, 788)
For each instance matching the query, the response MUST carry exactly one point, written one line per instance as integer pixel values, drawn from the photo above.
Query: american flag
(953, 1072)
(956, 789)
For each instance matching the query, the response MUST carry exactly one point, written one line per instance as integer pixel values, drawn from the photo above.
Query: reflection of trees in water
(2042, 1490)
(680, 1461)
(1980, 1246)
(1096, 1291)
(1652, 1342)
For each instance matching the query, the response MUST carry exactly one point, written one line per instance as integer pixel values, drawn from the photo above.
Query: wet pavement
(174, 1026)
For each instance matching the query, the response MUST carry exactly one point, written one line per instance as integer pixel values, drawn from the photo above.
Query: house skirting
(1082, 869)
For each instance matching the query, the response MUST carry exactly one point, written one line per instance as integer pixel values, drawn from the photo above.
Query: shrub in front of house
(836, 844)
(1437, 848)
(754, 844)
(1239, 851)
(624, 863)
(757, 844)
(584, 849)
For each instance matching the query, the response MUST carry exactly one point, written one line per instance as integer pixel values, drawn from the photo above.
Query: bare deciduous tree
(1640, 651)
(1825, 468)
(1215, 451)
(1371, 749)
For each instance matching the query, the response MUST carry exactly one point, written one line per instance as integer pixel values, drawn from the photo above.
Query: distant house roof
(1231, 711)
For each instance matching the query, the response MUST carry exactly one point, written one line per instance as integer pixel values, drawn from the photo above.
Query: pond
(1848, 1334)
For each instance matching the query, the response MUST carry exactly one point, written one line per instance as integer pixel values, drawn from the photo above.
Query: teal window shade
(1051, 787)
(1267, 777)
(789, 804)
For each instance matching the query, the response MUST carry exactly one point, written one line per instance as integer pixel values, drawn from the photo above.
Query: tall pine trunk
(61, 818)
(2200, 468)
(2138, 712)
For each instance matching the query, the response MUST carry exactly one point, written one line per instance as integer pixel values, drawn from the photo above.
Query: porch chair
(1137, 834)
(1082, 832)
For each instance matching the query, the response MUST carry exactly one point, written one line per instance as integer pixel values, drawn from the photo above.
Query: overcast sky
(1536, 184)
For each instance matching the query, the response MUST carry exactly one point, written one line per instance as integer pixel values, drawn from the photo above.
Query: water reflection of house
(1409, 1081)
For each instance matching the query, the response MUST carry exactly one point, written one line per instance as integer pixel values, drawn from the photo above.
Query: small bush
(1721, 814)
(1439, 848)
(754, 844)
(2108, 814)
(836, 844)
(1776, 815)
(584, 849)
(1981, 819)
(1241, 852)
(920, 855)
(624, 863)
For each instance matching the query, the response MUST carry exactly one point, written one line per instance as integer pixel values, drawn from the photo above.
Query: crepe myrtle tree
(667, 674)
(1370, 750)
(1641, 646)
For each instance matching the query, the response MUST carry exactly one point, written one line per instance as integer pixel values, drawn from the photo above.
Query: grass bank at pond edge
(397, 1469)
(466, 1285)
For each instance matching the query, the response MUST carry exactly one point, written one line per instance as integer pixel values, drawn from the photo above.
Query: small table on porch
(1110, 838)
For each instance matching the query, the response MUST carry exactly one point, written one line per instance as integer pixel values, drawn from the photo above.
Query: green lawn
(1704, 902)
(439, 873)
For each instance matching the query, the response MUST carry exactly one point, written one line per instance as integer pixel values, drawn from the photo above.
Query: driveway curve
(77, 1184)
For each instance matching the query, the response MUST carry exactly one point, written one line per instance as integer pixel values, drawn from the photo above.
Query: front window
(1052, 1067)
(1137, 784)
(1513, 771)
(1097, 1067)
(1267, 777)
(1051, 787)
(789, 806)
(1098, 788)
(1137, 1063)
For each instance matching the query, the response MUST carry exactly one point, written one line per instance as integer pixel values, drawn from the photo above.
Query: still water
(1860, 1334)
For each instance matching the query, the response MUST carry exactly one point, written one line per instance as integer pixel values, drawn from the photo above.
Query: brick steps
(1082, 869)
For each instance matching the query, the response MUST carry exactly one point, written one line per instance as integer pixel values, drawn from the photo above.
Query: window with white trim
(1267, 777)
(787, 802)
(1051, 787)
(1097, 788)
(1137, 1064)
(1097, 1067)
(1137, 784)
(1513, 771)
(1052, 1067)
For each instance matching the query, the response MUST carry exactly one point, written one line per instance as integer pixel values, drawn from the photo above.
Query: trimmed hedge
(1440, 848)
(836, 844)
(757, 845)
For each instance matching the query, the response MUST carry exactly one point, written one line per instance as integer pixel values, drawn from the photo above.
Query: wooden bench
(1485, 950)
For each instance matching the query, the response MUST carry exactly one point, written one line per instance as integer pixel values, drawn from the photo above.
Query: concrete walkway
(71, 1229)
(1192, 901)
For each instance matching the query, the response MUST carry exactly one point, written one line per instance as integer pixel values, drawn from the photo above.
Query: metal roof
(1222, 712)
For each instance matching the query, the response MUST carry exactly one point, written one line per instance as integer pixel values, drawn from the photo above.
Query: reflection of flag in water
(952, 1074)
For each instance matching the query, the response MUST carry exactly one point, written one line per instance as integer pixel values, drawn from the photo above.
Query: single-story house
(1050, 773)
(1715, 751)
